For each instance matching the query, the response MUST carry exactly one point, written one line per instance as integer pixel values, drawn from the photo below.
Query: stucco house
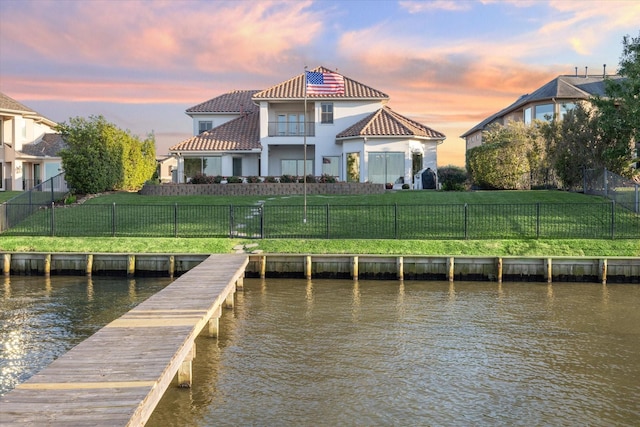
(30, 146)
(347, 132)
(551, 100)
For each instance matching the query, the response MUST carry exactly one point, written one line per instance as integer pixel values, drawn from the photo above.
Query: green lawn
(487, 212)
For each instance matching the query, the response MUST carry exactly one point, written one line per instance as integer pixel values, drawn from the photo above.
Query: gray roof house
(553, 99)
(349, 133)
(30, 146)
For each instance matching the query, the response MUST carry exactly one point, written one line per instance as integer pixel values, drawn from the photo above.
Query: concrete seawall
(413, 267)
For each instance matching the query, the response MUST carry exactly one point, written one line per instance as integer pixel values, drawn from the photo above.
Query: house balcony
(291, 128)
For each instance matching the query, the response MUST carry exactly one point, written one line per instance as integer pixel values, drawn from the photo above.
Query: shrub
(253, 179)
(217, 179)
(388, 186)
(234, 180)
(310, 179)
(325, 178)
(452, 178)
(270, 179)
(201, 178)
(288, 178)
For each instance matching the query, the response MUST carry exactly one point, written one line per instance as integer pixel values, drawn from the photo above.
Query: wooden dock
(117, 376)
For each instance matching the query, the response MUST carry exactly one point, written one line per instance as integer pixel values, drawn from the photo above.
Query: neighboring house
(30, 146)
(167, 165)
(351, 135)
(553, 99)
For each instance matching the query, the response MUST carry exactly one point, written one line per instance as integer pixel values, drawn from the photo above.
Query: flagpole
(304, 132)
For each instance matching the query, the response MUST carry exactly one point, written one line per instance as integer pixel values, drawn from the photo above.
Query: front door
(237, 166)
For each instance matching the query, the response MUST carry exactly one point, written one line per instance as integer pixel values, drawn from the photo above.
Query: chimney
(604, 70)
(585, 72)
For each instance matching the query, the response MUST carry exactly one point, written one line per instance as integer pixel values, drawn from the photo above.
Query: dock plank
(117, 376)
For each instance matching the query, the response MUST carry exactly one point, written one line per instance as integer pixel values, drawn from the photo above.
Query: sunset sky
(447, 64)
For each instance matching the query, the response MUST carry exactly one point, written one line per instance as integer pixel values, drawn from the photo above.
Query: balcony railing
(291, 128)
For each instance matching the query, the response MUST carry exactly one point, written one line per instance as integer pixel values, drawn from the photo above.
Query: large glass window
(353, 167)
(544, 112)
(565, 108)
(211, 166)
(296, 167)
(326, 115)
(385, 167)
(331, 165)
(204, 126)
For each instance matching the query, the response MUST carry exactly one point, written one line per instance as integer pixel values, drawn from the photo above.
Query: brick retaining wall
(260, 189)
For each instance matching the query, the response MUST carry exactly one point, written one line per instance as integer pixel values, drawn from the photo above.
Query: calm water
(327, 353)
(41, 318)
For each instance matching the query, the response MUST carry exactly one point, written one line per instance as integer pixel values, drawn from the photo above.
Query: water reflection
(417, 353)
(43, 317)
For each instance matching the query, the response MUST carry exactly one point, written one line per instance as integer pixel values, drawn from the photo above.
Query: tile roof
(240, 134)
(294, 88)
(562, 87)
(237, 101)
(49, 146)
(386, 122)
(10, 104)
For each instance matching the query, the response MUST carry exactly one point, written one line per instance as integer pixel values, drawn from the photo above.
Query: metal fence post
(53, 223)
(175, 220)
(538, 220)
(466, 214)
(395, 220)
(231, 225)
(113, 219)
(613, 218)
(328, 222)
(605, 183)
(262, 236)
(637, 200)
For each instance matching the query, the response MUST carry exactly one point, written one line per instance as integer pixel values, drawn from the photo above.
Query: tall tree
(618, 114)
(101, 157)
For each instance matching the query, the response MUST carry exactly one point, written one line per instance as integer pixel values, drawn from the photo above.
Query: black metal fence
(605, 183)
(458, 221)
(19, 208)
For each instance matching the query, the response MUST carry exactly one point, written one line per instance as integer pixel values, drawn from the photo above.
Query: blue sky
(447, 64)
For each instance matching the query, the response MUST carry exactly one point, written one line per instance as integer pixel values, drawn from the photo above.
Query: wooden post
(6, 266)
(240, 283)
(47, 265)
(400, 268)
(131, 265)
(214, 323)
(499, 273)
(89, 268)
(172, 265)
(229, 299)
(355, 268)
(451, 268)
(307, 267)
(263, 266)
(603, 271)
(185, 372)
(549, 270)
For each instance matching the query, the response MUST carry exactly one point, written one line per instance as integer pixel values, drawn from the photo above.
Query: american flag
(324, 83)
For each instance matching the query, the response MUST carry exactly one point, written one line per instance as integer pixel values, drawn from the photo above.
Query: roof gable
(294, 88)
(239, 134)
(561, 88)
(237, 101)
(9, 104)
(49, 146)
(386, 122)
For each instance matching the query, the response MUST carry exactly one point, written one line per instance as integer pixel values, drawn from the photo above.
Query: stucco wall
(260, 189)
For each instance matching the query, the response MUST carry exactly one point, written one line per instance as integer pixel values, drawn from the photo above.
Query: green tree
(506, 158)
(101, 157)
(618, 113)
